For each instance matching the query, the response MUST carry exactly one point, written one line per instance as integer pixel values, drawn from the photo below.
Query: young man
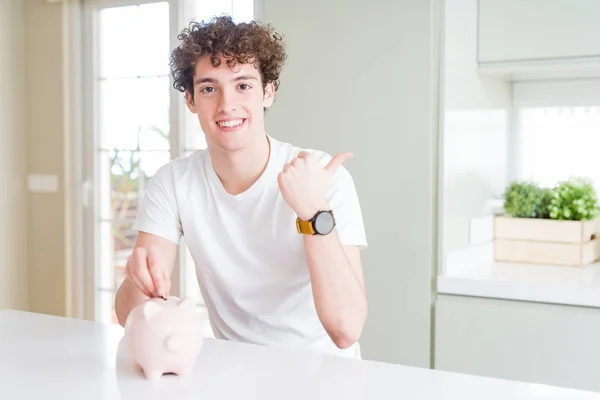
(274, 231)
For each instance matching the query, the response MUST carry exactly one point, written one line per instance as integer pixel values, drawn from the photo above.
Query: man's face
(229, 103)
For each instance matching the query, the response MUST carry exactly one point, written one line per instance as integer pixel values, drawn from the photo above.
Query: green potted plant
(556, 225)
(524, 199)
(575, 200)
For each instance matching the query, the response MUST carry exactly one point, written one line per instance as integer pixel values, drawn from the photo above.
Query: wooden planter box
(541, 241)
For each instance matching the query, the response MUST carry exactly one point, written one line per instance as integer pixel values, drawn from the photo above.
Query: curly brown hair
(244, 42)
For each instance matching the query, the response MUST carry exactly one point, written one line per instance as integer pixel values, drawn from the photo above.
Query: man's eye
(245, 86)
(208, 89)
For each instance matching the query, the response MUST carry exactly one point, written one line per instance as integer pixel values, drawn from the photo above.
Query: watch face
(324, 223)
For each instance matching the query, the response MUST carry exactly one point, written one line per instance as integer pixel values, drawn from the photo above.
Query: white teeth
(230, 124)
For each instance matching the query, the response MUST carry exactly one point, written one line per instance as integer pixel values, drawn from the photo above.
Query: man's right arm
(149, 270)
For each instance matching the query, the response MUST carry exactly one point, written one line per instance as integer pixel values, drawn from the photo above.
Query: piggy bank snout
(176, 342)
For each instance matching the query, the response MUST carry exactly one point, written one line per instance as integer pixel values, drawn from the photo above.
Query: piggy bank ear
(188, 304)
(150, 308)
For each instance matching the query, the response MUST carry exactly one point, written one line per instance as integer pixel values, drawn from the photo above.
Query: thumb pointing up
(337, 161)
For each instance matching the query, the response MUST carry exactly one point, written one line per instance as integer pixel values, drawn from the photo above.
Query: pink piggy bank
(164, 336)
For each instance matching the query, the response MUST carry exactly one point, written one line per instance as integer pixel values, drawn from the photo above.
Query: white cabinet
(532, 35)
(533, 342)
(521, 30)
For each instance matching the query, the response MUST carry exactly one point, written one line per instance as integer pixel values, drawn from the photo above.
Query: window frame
(90, 65)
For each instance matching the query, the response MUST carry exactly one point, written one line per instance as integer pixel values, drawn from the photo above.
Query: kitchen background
(445, 103)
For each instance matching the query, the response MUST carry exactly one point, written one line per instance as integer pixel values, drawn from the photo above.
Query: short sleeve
(343, 199)
(158, 213)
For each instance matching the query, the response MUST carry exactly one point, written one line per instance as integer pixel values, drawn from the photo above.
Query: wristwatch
(321, 224)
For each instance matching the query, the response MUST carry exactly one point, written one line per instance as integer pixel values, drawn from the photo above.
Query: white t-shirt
(250, 260)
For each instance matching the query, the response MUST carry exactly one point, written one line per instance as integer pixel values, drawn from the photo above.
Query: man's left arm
(338, 287)
(335, 269)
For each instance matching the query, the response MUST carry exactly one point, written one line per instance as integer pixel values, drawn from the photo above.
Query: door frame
(87, 156)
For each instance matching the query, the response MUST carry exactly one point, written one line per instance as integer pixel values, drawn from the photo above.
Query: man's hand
(149, 270)
(147, 273)
(304, 183)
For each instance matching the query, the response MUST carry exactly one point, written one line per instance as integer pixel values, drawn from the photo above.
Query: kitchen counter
(475, 273)
(48, 357)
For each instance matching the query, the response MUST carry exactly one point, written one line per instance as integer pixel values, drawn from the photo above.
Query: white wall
(13, 161)
(360, 77)
(475, 128)
(47, 131)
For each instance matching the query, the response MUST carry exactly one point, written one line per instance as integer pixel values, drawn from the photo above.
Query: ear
(269, 96)
(188, 303)
(150, 308)
(189, 101)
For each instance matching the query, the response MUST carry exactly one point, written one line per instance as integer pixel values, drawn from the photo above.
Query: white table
(47, 357)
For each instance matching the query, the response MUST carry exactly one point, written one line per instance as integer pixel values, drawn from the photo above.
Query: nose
(227, 101)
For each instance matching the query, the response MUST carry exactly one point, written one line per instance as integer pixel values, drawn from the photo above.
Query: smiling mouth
(232, 123)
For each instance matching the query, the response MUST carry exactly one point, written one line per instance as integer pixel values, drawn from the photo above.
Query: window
(557, 131)
(136, 122)
(557, 143)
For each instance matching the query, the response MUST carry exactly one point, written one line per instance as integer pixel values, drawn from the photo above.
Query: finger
(143, 274)
(157, 275)
(286, 167)
(128, 273)
(337, 160)
(138, 284)
(131, 275)
(167, 281)
(303, 154)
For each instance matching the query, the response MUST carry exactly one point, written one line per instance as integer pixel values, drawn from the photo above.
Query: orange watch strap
(304, 227)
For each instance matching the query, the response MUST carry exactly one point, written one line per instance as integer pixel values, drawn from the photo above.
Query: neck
(239, 170)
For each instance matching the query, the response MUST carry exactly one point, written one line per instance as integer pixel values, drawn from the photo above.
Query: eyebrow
(213, 80)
